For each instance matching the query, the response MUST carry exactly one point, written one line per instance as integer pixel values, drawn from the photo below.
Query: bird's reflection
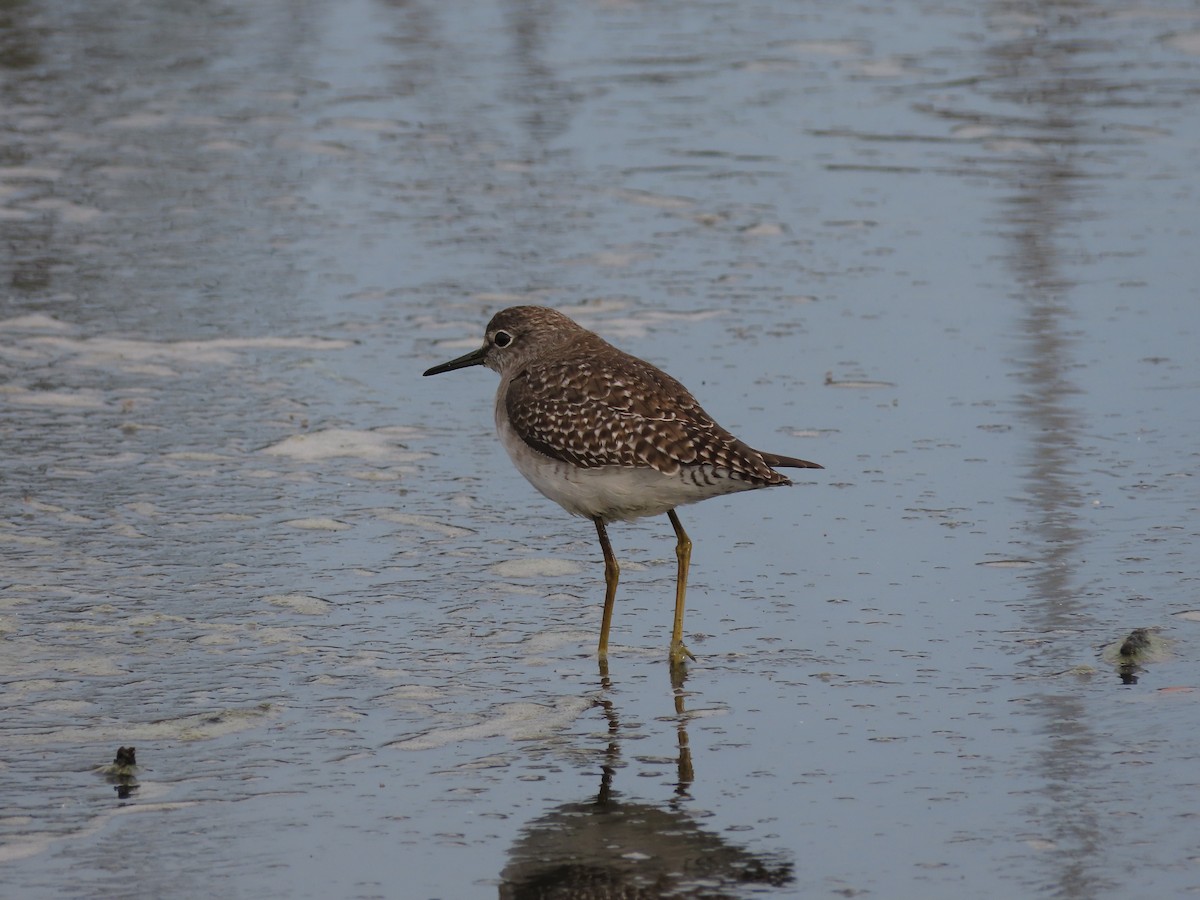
(606, 847)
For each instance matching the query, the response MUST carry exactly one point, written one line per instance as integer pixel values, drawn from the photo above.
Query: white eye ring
(502, 339)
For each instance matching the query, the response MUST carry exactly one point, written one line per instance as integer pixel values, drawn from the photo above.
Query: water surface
(945, 250)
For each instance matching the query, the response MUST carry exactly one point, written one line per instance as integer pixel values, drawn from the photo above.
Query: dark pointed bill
(474, 358)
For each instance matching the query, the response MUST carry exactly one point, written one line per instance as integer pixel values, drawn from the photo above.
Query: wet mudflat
(948, 251)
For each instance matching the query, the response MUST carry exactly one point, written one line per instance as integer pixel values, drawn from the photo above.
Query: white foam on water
(33, 322)
(82, 399)
(304, 604)
(515, 721)
(126, 353)
(535, 567)
(427, 523)
(338, 442)
(1185, 42)
(318, 524)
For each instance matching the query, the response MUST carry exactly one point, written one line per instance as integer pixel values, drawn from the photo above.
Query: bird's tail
(788, 462)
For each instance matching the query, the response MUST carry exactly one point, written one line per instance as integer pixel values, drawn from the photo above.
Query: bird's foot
(680, 654)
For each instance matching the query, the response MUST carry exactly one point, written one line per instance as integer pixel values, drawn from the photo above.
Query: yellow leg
(683, 553)
(612, 572)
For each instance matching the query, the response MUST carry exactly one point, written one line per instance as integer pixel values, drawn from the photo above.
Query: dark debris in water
(1139, 648)
(121, 773)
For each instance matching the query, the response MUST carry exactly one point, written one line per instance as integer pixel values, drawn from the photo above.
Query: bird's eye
(502, 339)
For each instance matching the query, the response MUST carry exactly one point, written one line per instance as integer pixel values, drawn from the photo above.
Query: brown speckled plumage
(607, 408)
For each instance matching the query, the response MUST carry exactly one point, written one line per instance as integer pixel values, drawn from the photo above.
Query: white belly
(612, 492)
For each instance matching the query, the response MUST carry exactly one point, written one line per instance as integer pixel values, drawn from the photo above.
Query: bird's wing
(632, 415)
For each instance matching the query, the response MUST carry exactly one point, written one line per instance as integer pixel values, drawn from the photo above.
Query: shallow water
(948, 251)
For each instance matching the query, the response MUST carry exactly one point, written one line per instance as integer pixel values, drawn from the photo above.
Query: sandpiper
(608, 436)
